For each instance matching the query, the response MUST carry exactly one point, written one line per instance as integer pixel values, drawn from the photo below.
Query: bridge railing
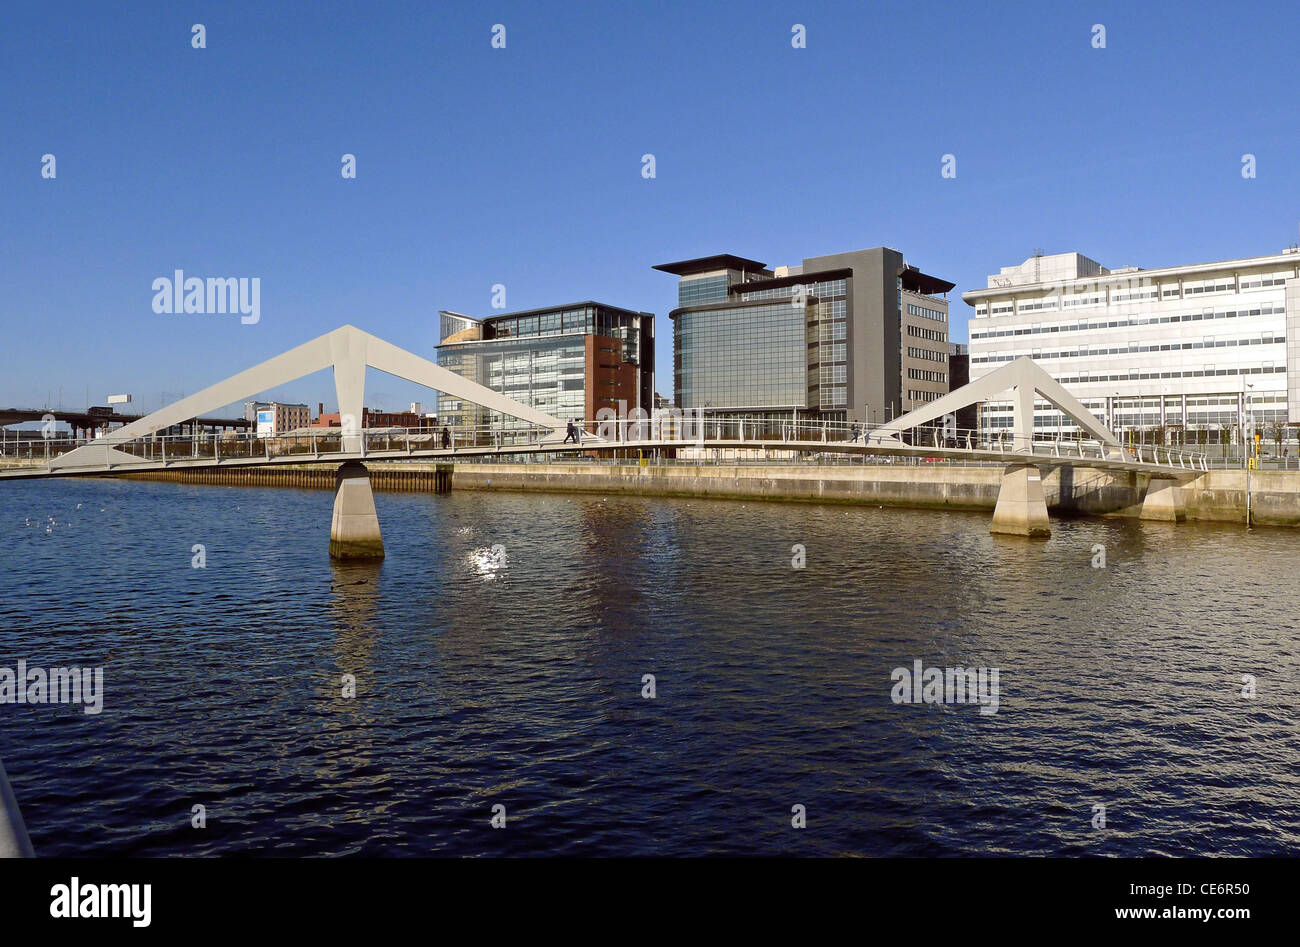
(721, 429)
(799, 434)
(38, 453)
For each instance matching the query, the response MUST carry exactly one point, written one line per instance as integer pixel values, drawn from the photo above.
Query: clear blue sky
(522, 166)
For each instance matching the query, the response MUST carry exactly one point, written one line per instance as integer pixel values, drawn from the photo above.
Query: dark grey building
(958, 376)
(858, 336)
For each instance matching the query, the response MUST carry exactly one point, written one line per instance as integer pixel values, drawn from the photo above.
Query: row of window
(934, 335)
(1125, 323)
(927, 354)
(832, 330)
(1137, 296)
(923, 374)
(926, 313)
(1210, 287)
(547, 323)
(1209, 371)
(832, 309)
(1228, 418)
(1150, 404)
(834, 396)
(834, 374)
(1133, 349)
(1187, 289)
(835, 352)
(691, 292)
(923, 396)
(820, 290)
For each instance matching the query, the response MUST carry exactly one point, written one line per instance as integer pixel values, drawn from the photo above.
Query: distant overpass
(101, 419)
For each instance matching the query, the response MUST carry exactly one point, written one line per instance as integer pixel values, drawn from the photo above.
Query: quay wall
(423, 478)
(1216, 495)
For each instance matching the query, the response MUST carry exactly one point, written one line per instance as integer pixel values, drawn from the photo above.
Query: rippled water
(520, 684)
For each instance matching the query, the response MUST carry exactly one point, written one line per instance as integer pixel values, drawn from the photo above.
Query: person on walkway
(854, 438)
(446, 437)
(570, 433)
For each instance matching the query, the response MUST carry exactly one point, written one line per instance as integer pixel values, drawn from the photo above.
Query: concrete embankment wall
(1221, 495)
(933, 486)
(1217, 495)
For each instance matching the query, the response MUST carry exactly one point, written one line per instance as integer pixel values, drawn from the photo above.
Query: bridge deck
(1044, 455)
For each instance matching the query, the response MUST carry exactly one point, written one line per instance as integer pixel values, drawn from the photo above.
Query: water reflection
(488, 562)
(354, 613)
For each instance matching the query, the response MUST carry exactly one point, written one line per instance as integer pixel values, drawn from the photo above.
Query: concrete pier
(1021, 508)
(354, 531)
(1164, 502)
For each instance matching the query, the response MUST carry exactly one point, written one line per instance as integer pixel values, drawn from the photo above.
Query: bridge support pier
(1021, 509)
(1164, 501)
(354, 531)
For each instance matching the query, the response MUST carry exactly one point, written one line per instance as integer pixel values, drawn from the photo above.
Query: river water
(515, 678)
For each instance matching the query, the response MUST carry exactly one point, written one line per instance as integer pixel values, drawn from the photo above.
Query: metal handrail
(320, 443)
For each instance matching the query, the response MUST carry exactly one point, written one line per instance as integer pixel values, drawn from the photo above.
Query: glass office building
(741, 357)
(568, 361)
(858, 336)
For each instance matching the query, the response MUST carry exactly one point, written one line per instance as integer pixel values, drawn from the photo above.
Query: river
(515, 678)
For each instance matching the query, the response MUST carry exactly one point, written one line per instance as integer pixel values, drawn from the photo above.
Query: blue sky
(522, 166)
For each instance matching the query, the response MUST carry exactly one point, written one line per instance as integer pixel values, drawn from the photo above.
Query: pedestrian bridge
(138, 447)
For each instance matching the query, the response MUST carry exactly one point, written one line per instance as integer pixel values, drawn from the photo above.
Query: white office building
(1182, 353)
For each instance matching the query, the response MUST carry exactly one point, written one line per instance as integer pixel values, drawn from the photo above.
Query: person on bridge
(854, 431)
(446, 437)
(571, 433)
